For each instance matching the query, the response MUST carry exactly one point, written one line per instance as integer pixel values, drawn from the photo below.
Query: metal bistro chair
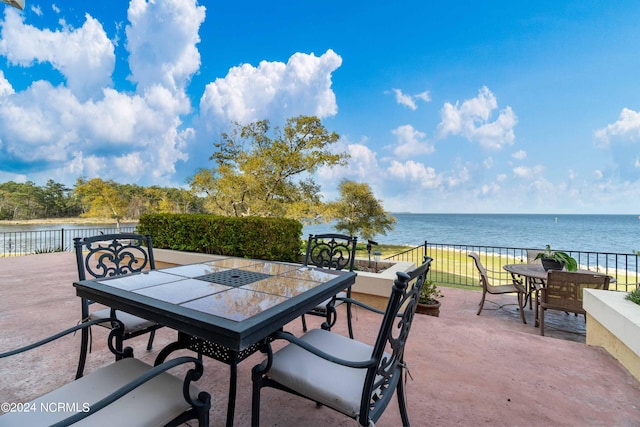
(110, 255)
(334, 252)
(563, 292)
(126, 392)
(489, 288)
(344, 374)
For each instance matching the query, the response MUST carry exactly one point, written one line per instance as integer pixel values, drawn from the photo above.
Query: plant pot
(551, 264)
(429, 309)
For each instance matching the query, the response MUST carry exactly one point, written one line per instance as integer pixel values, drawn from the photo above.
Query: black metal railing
(452, 266)
(16, 243)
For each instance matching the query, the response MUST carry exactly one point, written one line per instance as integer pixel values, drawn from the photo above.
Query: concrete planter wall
(374, 288)
(614, 323)
(370, 288)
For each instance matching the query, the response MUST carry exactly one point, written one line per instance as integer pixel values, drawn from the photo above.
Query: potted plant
(557, 260)
(428, 301)
(634, 296)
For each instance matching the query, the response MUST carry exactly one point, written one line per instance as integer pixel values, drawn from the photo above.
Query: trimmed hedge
(276, 239)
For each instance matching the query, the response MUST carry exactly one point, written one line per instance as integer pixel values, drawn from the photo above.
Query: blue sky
(472, 107)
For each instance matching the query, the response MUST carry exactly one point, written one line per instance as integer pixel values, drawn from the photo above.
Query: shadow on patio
(466, 369)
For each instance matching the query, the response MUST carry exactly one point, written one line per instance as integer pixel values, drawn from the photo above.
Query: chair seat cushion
(333, 385)
(155, 402)
(322, 307)
(131, 323)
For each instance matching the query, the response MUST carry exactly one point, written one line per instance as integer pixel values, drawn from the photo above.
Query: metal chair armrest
(61, 334)
(287, 336)
(192, 375)
(359, 304)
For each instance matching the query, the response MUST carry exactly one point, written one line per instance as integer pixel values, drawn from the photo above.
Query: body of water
(589, 233)
(21, 239)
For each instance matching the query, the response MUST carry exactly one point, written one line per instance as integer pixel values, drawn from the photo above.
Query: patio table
(223, 308)
(535, 278)
(534, 271)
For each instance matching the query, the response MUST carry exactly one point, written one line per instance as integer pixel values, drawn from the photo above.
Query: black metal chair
(334, 252)
(126, 392)
(110, 255)
(344, 374)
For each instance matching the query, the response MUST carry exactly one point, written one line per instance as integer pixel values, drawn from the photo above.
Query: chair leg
(119, 346)
(484, 294)
(84, 347)
(542, 321)
(304, 324)
(521, 303)
(152, 335)
(402, 403)
(349, 325)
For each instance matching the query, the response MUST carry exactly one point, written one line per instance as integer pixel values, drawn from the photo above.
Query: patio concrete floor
(466, 370)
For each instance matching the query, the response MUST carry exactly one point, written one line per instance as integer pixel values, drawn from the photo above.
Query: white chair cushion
(131, 323)
(155, 402)
(323, 305)
(333, 385)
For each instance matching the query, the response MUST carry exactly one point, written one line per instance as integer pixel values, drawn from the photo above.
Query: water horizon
(615, 233)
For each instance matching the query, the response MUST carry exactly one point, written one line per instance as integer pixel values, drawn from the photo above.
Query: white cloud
(459, 177)
(411, 142)
(471, 120)
(627, 127)
(489, 189)
(274, 90)
(528, 173)
(162, 38)
(131, 137)
(84, 56)
(414, 172)
(519, 155)
(410, 100)
(5, 87)
(363, 163)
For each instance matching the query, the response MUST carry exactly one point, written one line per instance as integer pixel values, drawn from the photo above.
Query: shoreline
(76, 220)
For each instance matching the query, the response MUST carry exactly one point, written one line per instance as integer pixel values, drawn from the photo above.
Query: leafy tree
(102, 199)
(21, 200)
(57, 200)
(359, 212)
(267, 172)
(172, 200)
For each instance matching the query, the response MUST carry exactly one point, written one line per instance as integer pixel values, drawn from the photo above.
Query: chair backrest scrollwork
(381, 380)
(113, 254)
(332, 251)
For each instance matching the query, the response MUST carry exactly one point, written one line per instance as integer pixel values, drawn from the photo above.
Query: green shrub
(275, 239)
(634, 296)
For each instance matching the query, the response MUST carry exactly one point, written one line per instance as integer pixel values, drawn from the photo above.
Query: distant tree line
(92, 198)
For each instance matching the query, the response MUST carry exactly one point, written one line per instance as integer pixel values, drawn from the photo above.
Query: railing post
(62, 239)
